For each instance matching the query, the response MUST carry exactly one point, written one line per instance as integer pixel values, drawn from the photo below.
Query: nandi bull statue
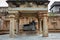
(30, 27)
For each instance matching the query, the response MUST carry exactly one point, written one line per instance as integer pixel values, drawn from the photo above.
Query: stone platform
(52, 36)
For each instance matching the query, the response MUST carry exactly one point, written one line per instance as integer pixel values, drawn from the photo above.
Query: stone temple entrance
(22, 19)
(28, 22)
(23, 12)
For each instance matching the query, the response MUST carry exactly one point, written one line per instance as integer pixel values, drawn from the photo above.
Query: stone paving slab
(52, 36)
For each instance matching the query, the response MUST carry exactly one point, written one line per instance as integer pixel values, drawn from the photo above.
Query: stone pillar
(12, 18)
(1, 23)
(17, 22)
(40, 27)
(12, 26)
(17, 26)
(45, 27)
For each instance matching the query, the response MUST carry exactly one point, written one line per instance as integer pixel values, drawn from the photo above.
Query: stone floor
(52, 36)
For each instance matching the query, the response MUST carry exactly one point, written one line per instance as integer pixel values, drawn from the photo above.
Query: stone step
(57, 31)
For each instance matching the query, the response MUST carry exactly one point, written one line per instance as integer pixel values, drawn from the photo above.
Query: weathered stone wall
(54, 22)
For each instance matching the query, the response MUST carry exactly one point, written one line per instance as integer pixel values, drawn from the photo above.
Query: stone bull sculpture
(30, 27)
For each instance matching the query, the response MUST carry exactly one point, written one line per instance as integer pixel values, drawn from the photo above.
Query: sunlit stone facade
(23, 12)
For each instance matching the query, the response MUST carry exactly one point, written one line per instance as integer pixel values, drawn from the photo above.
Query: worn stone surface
(52, 36)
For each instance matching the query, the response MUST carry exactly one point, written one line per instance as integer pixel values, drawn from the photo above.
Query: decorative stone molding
(12, 12)
(11, 16)
(53, 14)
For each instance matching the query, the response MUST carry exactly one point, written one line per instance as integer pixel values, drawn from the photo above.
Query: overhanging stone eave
(27, 9)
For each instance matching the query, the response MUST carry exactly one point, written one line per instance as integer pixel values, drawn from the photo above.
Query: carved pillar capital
(12, 14)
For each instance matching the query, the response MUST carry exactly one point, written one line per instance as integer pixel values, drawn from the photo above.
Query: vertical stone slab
(45, 27)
